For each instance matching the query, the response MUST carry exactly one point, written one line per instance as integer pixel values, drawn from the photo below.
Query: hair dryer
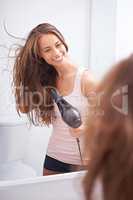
(70, 114)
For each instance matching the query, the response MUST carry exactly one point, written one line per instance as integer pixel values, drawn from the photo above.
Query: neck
(66, 71)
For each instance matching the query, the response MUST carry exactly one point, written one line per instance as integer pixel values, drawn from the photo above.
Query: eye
(46, 50)
(58, 45)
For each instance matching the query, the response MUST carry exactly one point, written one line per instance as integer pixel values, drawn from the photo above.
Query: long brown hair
(109, 138)
(32, 77)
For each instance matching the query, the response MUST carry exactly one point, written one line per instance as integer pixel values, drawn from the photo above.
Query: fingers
(76, 132)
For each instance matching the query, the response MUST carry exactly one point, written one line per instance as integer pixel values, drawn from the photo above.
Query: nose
(56, 53)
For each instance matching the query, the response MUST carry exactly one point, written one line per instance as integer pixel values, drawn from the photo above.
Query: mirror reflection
(52, 54)
(64, 46)
(37, 54)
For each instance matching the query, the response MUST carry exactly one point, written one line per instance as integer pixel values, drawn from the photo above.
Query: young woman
(109, 137)
(43, 62)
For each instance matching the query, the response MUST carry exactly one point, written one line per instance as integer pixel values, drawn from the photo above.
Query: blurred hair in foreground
(109, 138)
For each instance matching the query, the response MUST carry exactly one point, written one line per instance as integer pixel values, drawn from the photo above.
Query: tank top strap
(79, 74)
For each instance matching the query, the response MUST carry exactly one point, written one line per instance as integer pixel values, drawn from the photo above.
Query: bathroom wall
(102, 36)
(111, 33)
(124, 24)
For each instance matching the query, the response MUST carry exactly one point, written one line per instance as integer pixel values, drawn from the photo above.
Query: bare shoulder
(88, 82)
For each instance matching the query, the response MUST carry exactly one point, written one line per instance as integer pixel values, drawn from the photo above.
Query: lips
(59, 59)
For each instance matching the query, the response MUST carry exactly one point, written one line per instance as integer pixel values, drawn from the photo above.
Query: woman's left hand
(77, 132)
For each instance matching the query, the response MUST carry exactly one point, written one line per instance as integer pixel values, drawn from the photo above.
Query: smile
(58, 59)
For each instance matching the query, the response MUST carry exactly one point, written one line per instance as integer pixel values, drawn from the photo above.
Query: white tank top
(62, 146)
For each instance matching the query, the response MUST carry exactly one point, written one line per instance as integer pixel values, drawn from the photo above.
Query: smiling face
(52, 50)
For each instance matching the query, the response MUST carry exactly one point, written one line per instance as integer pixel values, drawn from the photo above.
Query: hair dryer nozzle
(70, 114)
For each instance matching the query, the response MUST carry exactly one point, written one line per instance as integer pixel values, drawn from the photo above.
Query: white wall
(124, 24)
(103, 36)
(111, 33)
(36, 150)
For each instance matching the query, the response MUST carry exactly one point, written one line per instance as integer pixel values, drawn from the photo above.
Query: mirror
(89, 28)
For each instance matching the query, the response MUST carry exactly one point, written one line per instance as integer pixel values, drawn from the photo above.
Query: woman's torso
(62, 146)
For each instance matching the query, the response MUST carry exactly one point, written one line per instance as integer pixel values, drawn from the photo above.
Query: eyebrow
(47, 47)
(44, 48)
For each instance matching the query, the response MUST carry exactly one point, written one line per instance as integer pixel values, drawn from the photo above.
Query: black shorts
(58, 166)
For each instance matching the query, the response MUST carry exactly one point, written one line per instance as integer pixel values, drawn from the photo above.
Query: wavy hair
(33, 77)
(109, 138)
